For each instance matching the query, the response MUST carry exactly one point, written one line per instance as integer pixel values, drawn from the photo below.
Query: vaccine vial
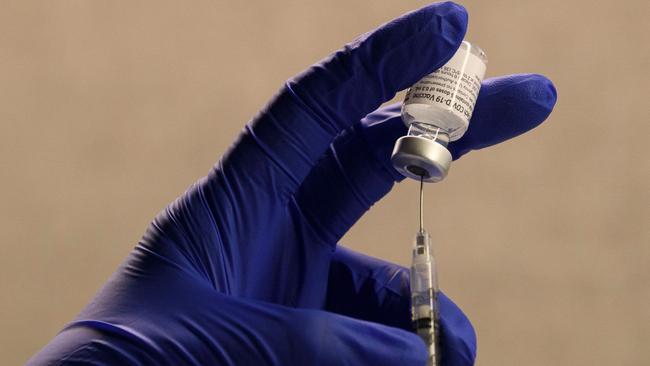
(437, 110)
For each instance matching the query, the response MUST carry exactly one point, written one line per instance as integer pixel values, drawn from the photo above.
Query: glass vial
(437, 109)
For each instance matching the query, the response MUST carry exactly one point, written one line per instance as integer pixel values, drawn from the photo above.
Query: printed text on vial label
(449, 88)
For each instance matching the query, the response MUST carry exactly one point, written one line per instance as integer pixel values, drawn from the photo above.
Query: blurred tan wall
(110, 109)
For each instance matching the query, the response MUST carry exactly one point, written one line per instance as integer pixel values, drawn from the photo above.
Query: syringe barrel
(425, 313)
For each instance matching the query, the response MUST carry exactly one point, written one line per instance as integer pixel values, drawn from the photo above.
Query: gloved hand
(243, 268)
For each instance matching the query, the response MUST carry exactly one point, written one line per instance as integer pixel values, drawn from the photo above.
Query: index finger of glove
(294, 130)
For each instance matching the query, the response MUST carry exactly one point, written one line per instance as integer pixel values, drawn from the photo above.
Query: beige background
(110, 109)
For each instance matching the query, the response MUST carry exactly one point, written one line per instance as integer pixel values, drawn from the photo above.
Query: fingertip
(355, 80)
(540, 93)
(458, 337)
(546, 93)
(456, 16)
(445, 27)
(526, 88)
(507, 106)
(416, 43)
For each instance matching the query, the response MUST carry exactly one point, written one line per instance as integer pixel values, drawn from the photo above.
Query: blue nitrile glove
(243, 268)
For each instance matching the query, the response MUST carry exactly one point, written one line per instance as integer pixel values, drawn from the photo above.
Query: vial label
(453, 87)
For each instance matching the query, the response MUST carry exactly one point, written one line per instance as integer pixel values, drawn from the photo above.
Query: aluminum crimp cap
(416, 157)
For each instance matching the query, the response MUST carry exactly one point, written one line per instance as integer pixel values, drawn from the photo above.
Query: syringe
(425, 312)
